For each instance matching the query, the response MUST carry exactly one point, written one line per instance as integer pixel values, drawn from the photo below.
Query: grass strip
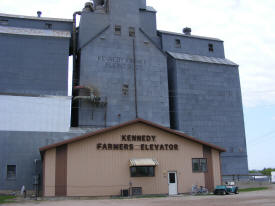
(6, 199)
(253, 189)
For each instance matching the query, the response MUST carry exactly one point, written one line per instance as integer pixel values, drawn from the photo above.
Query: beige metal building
(139, 156)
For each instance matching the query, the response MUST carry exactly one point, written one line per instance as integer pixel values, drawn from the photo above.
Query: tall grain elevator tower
(124, 68)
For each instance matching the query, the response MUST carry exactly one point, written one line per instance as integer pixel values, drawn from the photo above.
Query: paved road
(260, 198)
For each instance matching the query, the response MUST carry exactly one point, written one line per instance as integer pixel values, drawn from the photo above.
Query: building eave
(35, 18)
(201, 59)
(34, 32)
(189, 36)
(165, 129)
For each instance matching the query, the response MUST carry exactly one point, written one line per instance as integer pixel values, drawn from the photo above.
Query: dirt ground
(259, 198)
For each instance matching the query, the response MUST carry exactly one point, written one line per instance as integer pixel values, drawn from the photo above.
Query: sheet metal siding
(107, 62)
(92, 172)
(49, 174)
(204, 59)
(209, 107)
(34, 65)
(193, 46)
(216, 167)
(172, 83)
(50, 114)
(21, 149)
(148, 23)
(34, 32)
(37, 23)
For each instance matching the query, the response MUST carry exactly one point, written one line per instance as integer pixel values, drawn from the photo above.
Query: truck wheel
(237, 191)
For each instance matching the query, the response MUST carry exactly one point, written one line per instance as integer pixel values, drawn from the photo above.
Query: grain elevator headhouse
(120, 63)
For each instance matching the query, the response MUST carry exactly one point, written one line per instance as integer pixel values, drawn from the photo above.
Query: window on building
(48, 26)
(117, 30)
(125, 89)
(177, 43)
(4, 22)
(199, 165)
(11, 172)
(132, 32)
(142, 171)
(210, 47)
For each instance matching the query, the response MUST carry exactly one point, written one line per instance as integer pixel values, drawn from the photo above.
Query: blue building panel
(36, 22)
(36, 65)
(190, 44)
(206, 98)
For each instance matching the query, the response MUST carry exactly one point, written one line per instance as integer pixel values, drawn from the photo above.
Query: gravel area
(259, 198)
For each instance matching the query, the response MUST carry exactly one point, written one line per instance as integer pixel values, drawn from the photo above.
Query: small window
(210, 47)
(4, 22)
(142, 171)
(125, 89)
(172, 178)
(48, 26)
(11, 172)
(177, 43)
(132, 32)
(146, 43)
(199, 165)
(117, 30)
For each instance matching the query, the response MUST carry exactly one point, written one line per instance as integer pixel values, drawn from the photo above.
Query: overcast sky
(247, 28)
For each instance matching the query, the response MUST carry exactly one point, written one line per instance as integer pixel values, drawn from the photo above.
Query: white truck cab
(273, 177)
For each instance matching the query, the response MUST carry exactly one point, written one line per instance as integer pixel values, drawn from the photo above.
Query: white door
(172, 182)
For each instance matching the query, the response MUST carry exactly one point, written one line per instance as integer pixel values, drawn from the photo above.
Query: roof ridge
(190, 36)
(139, 120)
(34, 17)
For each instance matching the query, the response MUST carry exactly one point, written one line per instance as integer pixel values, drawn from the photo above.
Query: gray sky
(246, 26)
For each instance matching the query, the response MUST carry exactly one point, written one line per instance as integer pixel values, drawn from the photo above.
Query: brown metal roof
(109, 129)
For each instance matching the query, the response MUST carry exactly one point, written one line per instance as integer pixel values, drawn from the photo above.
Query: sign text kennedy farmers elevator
(129, 142)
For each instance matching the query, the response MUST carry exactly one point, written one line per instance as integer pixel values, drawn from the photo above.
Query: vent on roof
(187, 31)
(39, 13)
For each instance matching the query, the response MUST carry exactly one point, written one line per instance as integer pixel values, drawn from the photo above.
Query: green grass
(253, 189)
(6, 199)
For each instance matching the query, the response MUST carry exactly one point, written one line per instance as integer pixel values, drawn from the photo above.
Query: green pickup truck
(229, 188)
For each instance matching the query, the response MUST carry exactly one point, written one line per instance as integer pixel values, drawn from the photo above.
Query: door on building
(173, 183)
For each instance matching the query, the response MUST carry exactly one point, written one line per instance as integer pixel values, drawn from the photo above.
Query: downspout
(75, 82)
(135, 75)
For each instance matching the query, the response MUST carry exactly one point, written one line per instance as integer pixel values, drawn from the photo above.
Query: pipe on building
(135, 75)
(75, 81)
(93, 97)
